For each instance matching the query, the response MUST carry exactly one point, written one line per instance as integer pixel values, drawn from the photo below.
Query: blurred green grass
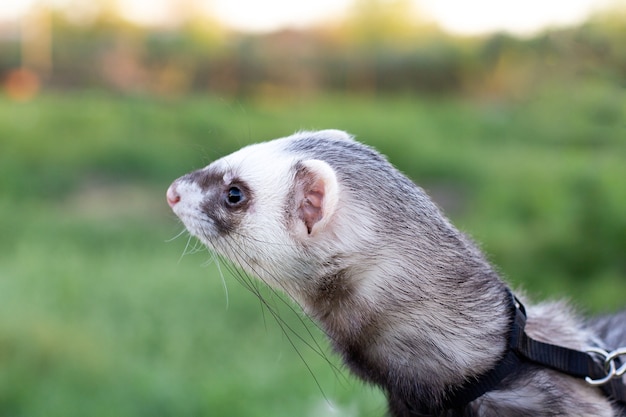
(100, 314)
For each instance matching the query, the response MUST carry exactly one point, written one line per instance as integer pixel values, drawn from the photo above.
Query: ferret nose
(172, 195)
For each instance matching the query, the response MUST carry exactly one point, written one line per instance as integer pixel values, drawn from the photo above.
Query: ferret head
(274, 208)
(362, 248)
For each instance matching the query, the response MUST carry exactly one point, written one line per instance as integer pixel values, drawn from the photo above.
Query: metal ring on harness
(609, 365)
(615, 355)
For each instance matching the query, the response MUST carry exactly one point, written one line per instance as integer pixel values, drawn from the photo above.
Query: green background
(107, 310)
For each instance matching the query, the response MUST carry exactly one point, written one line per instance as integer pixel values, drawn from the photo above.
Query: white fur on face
(262, 239)
(187, 209)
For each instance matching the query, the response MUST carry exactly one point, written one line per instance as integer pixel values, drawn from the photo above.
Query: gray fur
(610, 329)
(409, 302)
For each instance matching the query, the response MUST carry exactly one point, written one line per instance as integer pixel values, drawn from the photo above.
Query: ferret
(409, 302)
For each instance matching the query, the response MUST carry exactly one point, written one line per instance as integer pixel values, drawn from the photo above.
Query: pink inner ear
(315, 198)
(311, 208)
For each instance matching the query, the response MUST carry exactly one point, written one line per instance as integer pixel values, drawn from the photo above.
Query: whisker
(254, 239)
(314, 345)
(288, 331)
(219, 269)
(197, 247)
(182, 232)
(182, 255)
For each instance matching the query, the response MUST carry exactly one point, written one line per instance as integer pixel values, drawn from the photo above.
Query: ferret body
(408, 301)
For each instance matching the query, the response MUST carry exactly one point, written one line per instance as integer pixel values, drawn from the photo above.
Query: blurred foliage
(100, 314)
(103, 312)
(379, 47)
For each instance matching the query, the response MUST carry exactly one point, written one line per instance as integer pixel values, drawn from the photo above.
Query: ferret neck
(409, 340)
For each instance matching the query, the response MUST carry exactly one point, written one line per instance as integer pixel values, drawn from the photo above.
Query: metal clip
(609, 365)
(616, 354)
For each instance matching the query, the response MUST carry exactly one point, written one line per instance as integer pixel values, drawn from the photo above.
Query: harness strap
(572, 362)
(524, 349)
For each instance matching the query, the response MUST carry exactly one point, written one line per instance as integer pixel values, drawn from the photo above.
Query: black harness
(596, 366)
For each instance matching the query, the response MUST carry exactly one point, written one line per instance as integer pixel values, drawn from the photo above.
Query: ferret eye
(234, 196)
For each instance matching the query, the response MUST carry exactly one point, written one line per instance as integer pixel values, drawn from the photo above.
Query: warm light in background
(521, 17)
(21, 85)
(196, 45)
(458, 16)
(12, 9)
(271, 14)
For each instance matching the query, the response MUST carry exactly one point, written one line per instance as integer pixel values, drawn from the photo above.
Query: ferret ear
(317, 193)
